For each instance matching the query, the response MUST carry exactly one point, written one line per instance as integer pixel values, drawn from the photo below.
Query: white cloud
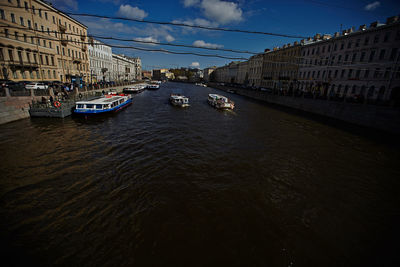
(147, 39)
(195, 65)
(188, 3)
(372, 6)
(197, 22)
(130, 12)
(169, 38)
(222, 12)
(201, 43)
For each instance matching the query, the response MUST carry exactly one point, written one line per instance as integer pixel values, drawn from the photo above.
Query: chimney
(337, 34)
(289, 44)
(373, 24)
(275, 48)
(309, 39)
(295, 43)
(362, 27)
(317, 37)
(326, 37)
(303, 41)
(393, 19)
(344, 32)
(284, 46)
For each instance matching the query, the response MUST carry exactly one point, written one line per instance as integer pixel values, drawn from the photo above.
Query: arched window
(381, 93)
(370, 93)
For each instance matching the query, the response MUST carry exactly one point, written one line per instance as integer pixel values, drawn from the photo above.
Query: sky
(289, 17)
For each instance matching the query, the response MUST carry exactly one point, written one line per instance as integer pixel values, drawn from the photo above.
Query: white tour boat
(134, 89)
(201, 84)
(220, 102)
(153, 86)
(105, 104)
(179, 100)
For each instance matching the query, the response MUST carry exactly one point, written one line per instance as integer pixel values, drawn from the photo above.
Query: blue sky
(293, 17)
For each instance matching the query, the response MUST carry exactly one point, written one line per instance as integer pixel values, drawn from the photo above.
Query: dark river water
(156, 185)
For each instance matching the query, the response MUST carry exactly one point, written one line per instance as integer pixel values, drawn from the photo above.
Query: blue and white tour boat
(105, 104)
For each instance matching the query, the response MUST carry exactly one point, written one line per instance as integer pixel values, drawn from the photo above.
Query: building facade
(354, 65)
(100, 57)
(123, 68)
(40, 43)
(207, 72)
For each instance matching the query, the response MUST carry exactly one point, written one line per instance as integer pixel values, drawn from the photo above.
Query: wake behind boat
(220, 102)
(105, 104)
(179, 100)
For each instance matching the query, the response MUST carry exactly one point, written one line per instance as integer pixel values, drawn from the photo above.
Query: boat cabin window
(121, 101)
(99, 106)
(79, 106)
(89, 105)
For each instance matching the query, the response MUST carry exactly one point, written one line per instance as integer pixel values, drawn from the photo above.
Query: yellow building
(40, 43)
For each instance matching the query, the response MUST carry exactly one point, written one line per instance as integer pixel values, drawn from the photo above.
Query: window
(366, 73)
(366, 41)
(48, 31)
(35, 59)
(16, 35)
(2, 15)
(377, 73)
(358, 74)
(342, 74)
(12, 17)
(42, 27)
(49, 74)
(376, 38)
(358, 43)
(38, 74)
(58, 50)
(346, 58)
(28, 56)
(10, 55)
(335, 47)
(50, 44)
(386, 37)
(41, 59)
(393, 54)
(349, 45)
(387, 73)
(31, 75)
(26, 6)
(23, 74)
(54, 20)
(362, 57)
(36, 27)
(54, 74)
(32, 40)
(371, 56)
(15, 75)
(25, 38)
(29, 24)
(353, 59)
(38, 41)
(52, 61)
(342, 46)
(45, 15)
(382, 54)
(350, 73)
(22, 21)
(18, 3)
(40, 13)
(44, 43)
(6, 33)
(339, 59)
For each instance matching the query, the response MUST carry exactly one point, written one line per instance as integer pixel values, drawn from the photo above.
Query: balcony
(64, 42)
(62, 28)
(76, 60)
(84, 47)
(83, 38)
(23, 64)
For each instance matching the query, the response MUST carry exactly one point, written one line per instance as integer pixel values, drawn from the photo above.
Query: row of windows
(356, 57)
(349, 74)
(27, 57)
(21, 74)
(351, 43)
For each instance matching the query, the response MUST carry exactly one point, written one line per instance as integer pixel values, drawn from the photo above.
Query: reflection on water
(158, 185)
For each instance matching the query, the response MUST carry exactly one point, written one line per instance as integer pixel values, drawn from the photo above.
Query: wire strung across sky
(133, 47)
(170, 23)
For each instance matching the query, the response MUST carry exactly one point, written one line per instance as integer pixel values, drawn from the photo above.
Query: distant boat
(220, 102)
(134, 89)
(153, 86)
(105, 104)
(179, 100)
(201, 84)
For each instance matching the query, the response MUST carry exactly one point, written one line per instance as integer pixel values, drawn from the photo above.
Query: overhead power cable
(171, 23)
(136, 41)
(138, 48)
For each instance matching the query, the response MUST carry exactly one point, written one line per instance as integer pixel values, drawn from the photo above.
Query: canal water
(156, 185)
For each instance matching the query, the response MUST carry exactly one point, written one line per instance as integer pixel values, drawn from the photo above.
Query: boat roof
(178, 97)
(216, 96)
(101, 100)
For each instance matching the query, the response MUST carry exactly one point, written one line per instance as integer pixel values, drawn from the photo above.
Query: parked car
(36, 86)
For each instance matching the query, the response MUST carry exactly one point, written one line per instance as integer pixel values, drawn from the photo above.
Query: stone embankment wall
(379, 117)
(14, 108)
